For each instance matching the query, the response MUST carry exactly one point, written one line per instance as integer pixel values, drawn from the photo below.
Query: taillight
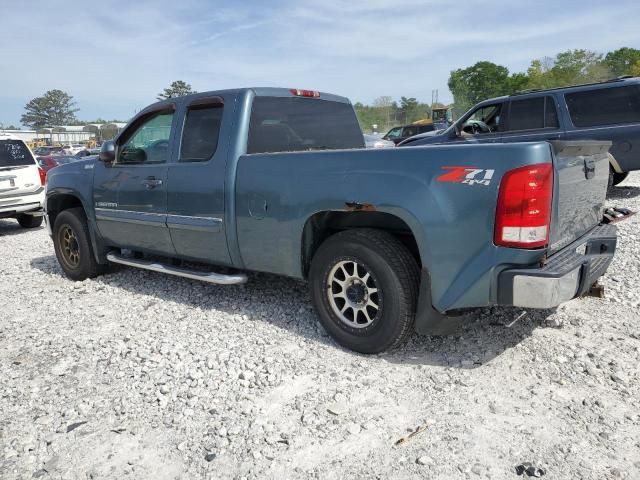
(43, 176)
(523, 214)
(304, 93)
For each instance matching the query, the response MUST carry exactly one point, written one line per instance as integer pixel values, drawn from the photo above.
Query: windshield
(14, 153)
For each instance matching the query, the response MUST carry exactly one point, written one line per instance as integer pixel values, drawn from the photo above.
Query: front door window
(393, 133)
(149, 142)
(484, 120)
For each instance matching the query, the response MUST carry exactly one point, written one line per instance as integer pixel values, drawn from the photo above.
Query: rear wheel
(29, 221)
(73, 246)
(364, 286)
(618, 178)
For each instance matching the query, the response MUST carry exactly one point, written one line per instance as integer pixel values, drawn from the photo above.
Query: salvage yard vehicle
(398, 134)
(608, 111)
(21, 183)
(390, 240)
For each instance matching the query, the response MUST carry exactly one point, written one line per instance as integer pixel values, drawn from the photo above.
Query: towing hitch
(596, 290)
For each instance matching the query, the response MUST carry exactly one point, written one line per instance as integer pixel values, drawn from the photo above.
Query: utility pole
(434, 99)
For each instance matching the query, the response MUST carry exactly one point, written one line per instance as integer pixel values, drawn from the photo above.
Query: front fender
(69, 186)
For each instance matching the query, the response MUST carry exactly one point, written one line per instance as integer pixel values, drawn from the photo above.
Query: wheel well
(324, 224)
(59, 203)
(613, 164)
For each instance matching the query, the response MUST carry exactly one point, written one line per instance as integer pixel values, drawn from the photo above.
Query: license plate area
(7, 183)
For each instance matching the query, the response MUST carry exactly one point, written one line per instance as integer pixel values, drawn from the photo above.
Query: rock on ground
(147, 376)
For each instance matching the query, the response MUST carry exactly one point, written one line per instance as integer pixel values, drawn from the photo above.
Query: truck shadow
(623, 192)
(285, 303)
(486, 334)
(9, 226)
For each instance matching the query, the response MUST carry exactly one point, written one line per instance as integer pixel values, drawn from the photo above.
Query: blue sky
(115, 56)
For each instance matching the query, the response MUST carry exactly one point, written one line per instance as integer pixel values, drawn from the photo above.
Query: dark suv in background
(600, 111)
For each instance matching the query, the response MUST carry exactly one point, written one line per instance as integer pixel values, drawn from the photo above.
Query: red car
(48, 162)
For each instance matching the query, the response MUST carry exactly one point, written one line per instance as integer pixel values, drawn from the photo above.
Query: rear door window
(289, 124)
(201, 132)
(14, 153)
(533, 114)
(604, 106)
(410, 131)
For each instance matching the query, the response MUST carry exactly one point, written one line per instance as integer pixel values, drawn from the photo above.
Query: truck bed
(452, 222)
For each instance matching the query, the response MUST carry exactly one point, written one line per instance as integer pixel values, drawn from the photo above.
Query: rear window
(201, 132)
(281, 124)
(14, 153)
(604, 106)
(533, 113)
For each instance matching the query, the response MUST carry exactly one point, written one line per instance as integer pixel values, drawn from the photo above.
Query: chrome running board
(210, 277)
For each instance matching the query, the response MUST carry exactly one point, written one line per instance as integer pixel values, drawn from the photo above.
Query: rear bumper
(29, 203)
(567, 274)
(34, 209)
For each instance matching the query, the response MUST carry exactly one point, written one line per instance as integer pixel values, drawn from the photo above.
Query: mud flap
(429, 321)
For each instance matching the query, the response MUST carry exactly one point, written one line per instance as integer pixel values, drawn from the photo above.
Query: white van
(21, 183)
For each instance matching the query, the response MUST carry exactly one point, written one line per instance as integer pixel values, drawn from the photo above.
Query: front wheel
(73, 246)
(364, 286)
(29, 221)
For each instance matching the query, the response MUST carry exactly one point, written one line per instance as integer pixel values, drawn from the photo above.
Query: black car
(398, 134)
(599, 111)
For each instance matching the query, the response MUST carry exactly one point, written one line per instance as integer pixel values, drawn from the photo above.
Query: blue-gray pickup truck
(211, 185)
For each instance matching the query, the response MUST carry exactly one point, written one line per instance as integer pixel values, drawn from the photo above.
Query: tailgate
(582, 177)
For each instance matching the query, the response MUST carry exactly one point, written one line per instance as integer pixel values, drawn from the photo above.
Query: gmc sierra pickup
(210, 185)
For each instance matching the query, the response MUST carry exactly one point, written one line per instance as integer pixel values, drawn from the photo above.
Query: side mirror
(456, 130)
(108, 152)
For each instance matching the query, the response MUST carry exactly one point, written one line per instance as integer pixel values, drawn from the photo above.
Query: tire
(618, 178)
(392, 270)
(72, 245)
(29, 221)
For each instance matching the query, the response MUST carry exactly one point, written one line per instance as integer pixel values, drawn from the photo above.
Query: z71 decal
(467, 175)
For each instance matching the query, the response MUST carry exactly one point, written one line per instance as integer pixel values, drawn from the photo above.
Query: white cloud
(114, 56)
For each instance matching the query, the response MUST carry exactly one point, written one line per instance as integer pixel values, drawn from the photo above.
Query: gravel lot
(140, 375)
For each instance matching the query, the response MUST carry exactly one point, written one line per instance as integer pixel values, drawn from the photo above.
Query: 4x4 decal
(467, 175)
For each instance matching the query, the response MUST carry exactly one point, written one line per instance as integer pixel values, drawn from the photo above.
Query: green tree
(518, 82)
(538, 74)
(622, 61)
(178, 88)
(479, 82)
(578, 66)
(8, 127)
(635, 69)
(53, 108)
(409, 109)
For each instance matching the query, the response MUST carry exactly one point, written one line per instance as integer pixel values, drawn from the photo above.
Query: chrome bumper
(545, 292)
(567, 274)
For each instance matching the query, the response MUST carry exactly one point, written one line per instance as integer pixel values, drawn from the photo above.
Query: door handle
(151, 182)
